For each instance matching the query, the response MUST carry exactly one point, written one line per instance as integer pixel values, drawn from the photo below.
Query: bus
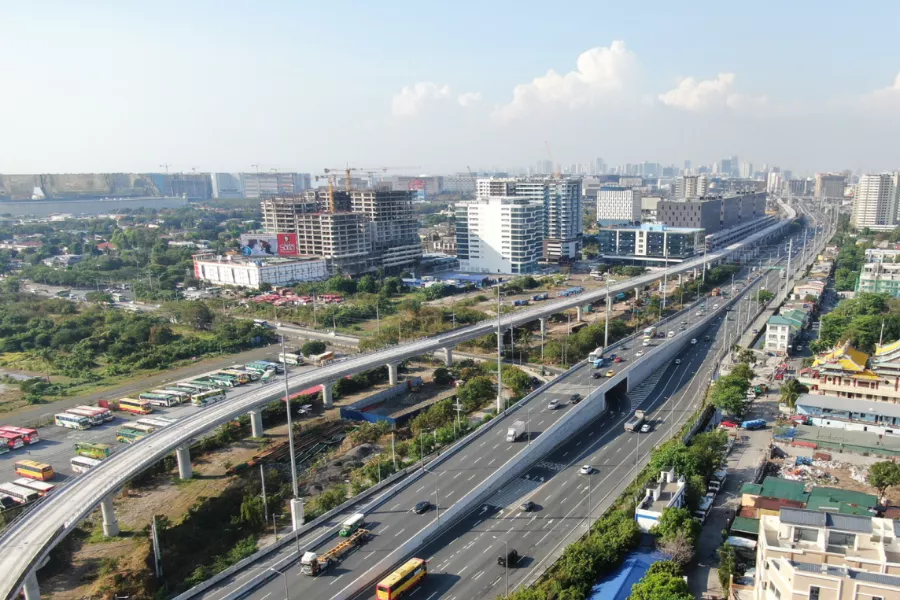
(82, 464)
(225, 380)
(239, 378)
(34, 470)
(157, 423)
(208, 397)
(649, 333)
(70, 421)
(104, 413)
(41, 487)
(155, 399)
(353, 523)
(266, 365)
(94, 418)
(92, 450)
(213, 384)
(180, 396)
(143, 427)
(140, 407)
(253, 374)
(403, 581)
(22, 495)
(188, 392)
(195, 386)
(14, 441)
(29, 435)
(127, 435)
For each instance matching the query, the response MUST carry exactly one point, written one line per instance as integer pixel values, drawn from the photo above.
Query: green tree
(790, 392)
(743, 371)
(664, 580)
(765, 296)
(367, 285)
(98, 298)
(883, 475)
(475, 391)
(442, 376)
(676, 521)
(313, 347)
(727, 565)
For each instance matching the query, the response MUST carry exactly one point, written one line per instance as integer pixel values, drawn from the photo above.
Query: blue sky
(103, 86)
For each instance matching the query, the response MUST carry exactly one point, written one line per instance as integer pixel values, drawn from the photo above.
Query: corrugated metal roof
(857, 574)
(825, 520)
(745, 525)
(888, 409)
(798, 516)
(775, 487)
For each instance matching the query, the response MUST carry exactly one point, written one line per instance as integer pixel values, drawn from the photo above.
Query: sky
(436, 87)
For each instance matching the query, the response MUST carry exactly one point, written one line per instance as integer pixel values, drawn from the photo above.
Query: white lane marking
(420, 489)
(395, 506)
(479, 574)
(619, 449)
(495, 446)
(266, 596)
(433, 594)
(333, 581)
(399, 532)
(385, 529)
(526, 534)
(457, 475)
(472, 477)
(497, 580)
(478, 522)
(493, 460)
(565, 455)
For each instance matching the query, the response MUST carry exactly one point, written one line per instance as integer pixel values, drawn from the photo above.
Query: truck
(635, 422)
(539, 297)
(320, 360)
(596, 353)
(753, 424)
(520, 303)
(313, 564)
(620, 296)
(515, 431)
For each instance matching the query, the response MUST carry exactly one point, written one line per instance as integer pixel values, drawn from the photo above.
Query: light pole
(499, 356)
(284, 573)
(287, 405)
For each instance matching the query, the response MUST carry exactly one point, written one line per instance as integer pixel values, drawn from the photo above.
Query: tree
(98, 298)
(727, 565)
(743, 371)
(679, 548)
(790, 391)
(367, 285)
(313, 347)
(664, 580)
(442, 376)
(474, 392)
(765, 296)
(883, 475)
(675, 522)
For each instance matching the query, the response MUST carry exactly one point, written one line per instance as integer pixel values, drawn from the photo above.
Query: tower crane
(330, 175)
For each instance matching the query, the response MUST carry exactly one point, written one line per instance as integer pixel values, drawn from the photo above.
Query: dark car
(422, 507)
(510, 560)
(575, 399)
(597, 374)
(527, 506)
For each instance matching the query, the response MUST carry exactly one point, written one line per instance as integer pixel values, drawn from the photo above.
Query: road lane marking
(479, 574)
(472, 477)
(457, 475)
(266, 596)
(333, 581)
(399, 532)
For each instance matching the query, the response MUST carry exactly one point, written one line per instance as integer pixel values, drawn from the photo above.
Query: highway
(28, 541)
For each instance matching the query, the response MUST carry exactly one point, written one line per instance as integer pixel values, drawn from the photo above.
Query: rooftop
(775, 487)
(848, 573)
(888, 409)
(826, 520)
(846, 356)
(847, 502)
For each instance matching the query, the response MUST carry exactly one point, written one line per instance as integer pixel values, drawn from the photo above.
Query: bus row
(141, 428)
(13, 438)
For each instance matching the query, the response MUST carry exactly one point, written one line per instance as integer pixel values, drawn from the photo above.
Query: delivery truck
(515, 431)
(635, 422)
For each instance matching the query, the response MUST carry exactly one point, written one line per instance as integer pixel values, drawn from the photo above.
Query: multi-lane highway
(26, 542)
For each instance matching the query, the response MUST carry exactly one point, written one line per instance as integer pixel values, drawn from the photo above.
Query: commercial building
(259, 185)
(848, 373)
(801, 187)
(226, 186)
(668, 492)
(713, 213)
(429, 185)
(880, 278)
(825, 555)
(649, 207)
(876, 203)
(252, 272)
(499, 234)
(460, 183)
(830, 185)
(650, 243)
(691, 186)
(618, 205)
(881, 255)
(391, 227)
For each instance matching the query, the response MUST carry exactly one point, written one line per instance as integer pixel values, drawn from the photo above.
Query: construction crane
(166, 166)
(330, 175)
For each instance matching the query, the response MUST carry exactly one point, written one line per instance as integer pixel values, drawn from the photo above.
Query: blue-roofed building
(617, 585)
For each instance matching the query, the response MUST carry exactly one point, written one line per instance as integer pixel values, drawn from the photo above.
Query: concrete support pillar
(578, 314)
(256, 426)
(327, 397)
(110, 523)
(31, 588)
(297, 513)
(183, 454)
(392, 373)
(543, 321)
(448, 356)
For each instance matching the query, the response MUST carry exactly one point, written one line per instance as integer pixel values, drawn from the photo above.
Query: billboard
(259, 244)
(287, 244)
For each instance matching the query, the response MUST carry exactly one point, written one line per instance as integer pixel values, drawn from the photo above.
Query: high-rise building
(876, 202)
(431, 185)
(774, 183)
(686, 187)
(226, 185)
(618, 205)
(724, 167)
(830, 185)
(499, 234)
(702, 184)
(599, 166)
(746, 170)
(687, 167)
(258, 185)
(712, 214)
(460, 183)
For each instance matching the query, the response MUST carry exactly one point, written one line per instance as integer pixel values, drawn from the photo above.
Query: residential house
(669, 492)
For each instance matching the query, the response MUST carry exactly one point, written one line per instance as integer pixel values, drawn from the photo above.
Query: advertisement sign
(259, 244)
(287, 244)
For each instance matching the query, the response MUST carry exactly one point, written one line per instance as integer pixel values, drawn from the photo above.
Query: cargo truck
(539, 297)
(313, 564)
(753, 424)
(515, 431)
(635, 422)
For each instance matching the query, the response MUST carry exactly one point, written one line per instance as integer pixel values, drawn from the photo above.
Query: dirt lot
(838, 473)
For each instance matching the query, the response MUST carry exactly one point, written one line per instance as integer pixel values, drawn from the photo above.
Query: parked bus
(14, 441)
(164, 400)
(180, 396)
(157, 423)
(94, 418)
(20, 494)
(241, 378)
(139, 407)
(226, 380)
(188, 392)
(34, 470)
(104, 413)
(403, 581)
(82, 464)
(253, 374)
(351, 524)
(143, 427)
(128, 435)
(196, 386)
(92, 450)
(41, 487)
(70, 421)
(267, 364)
(208, 397)
(30, 436)
(213, 384)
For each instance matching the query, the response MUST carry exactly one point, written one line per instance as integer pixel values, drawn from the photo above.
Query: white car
(693, 340)
(645, 428)
(671, 334)
(553, 405)
(585, 470)
(677, 361)
(639, 354)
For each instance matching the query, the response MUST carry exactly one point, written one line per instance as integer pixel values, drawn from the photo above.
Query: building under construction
(368, 229)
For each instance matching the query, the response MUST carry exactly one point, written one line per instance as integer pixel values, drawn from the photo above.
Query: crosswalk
(519, 488)
(643, 391)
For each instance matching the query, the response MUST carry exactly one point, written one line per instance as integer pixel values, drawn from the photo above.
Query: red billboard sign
(287, 244)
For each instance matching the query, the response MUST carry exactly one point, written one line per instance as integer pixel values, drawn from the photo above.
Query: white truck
(635, 422)
(313, 564)
(597, 353)
(515, 431)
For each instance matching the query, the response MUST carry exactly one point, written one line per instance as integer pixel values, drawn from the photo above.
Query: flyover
(28, 541)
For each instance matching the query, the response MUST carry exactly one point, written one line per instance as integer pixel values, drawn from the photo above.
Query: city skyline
(222, 88)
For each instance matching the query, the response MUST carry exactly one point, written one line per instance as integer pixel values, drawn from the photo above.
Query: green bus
(128, 435)
(90, 450)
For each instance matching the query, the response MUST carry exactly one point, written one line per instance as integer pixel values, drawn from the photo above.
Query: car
(645, 428)
(645, 343)
(610, 373)
(729, 424)
(527, 506)
(705, 338)
(693, 340)
(755, 331)
(639, 354)
(799, 347)
(614, 356)
(553, 404)
(585, 470)
(699, 313)
(671, 334)
(715, 306)
(596, 374)
(575, 399)
(677, 361)
(618, 359)
(422, 507)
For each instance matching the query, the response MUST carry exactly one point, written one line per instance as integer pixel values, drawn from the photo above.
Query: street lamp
(284, 573)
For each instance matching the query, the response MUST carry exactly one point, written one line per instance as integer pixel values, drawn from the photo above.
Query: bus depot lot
(57, 445)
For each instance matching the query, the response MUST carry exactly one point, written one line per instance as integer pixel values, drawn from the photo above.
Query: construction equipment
(330, 175)
(313, 564)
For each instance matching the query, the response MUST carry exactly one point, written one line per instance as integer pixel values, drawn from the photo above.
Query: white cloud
(888, 97)
(469, 99)
(413, 98)
(694, 94)
(599, 72)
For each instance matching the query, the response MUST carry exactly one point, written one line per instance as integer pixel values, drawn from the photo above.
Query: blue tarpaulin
(617, 586)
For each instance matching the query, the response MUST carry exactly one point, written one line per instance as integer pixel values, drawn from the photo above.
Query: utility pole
(665, 277)
(262, 479)
(787, 274)
(499, 356)
(296, 503)
(606, 323)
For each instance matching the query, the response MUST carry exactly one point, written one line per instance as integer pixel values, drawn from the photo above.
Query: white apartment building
(499, 234)
(779, 335)
(252, 272)
(256, 185)
(827, 556)
(880, 255)
(876, 203)
(691, 186)
(668, 492)
(618, 205)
